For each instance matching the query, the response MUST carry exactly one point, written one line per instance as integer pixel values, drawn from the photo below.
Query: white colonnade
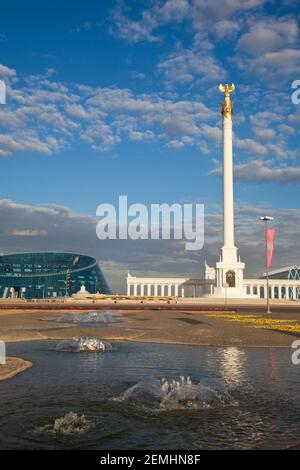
(166, 287)
(185, 287)
(278, 288)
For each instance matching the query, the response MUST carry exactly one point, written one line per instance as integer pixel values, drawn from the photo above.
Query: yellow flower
(261, 322)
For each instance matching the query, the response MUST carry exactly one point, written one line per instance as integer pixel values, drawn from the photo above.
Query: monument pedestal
(232, 292)
(230, 273)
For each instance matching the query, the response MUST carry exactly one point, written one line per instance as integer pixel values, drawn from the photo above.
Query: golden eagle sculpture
(227, 89)
(227, 106)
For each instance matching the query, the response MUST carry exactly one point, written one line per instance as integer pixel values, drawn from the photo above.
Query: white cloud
(198, 14)
(134, 30)
(294, 118)
(175, 144)
(29, 233)
(275, 66)
(45, 116)
(141, 136)
(269, 36)
(138, 75)
(250, 146)
(100, 136)
(268, 50)
(6, 72)
(279, 150)
(256, 172)
(264, 118)
(77, 111)
(185, 65)
(27, 141)
(265, 134)
(226, 29)
(179, 125)
(262, 172)
(212, 133)
(286, 130)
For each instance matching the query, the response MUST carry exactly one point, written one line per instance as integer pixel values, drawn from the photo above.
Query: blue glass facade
(45, 275)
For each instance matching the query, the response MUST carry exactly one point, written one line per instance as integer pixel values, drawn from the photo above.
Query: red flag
(271, 232)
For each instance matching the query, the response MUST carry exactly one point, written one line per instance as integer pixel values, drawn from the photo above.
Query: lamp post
(226, 285)
(266, 219)
(68, 277)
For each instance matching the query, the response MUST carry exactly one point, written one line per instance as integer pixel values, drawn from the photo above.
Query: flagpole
(266, 219)
(267, 265)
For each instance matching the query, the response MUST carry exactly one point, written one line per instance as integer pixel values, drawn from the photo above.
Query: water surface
(262, 381)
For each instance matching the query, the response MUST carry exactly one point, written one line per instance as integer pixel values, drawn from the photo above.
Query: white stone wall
(163, 287)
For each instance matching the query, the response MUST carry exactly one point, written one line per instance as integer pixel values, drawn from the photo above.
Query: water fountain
(69, 424)
(104, 317)
(83, 344)
(178, 394)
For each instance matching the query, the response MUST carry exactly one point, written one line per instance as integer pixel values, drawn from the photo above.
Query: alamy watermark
(158, 222)
(296, 94)
(2, 353)
(2, 92)
(296, 353)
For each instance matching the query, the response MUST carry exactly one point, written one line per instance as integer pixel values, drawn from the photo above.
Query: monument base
(230, 271)
(230, 275)
(231, 292)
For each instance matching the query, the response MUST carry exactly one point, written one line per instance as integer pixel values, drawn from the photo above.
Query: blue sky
(108, 98)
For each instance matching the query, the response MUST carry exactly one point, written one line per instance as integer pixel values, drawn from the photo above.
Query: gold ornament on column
(227, 106)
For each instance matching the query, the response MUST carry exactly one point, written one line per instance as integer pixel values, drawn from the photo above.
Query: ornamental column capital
(227, 105)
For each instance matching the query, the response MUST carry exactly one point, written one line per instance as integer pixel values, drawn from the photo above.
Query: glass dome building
(45, 275)
(294, 275)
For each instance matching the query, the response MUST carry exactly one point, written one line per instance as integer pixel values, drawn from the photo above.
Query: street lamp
(68, 278)
(226, 285)
(266, 219)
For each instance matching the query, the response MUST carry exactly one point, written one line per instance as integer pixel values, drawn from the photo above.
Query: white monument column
(228, 227)
(229, 268)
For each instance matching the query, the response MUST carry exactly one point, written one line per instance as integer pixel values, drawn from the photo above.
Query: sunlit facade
(46, 275)
(290, 273)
